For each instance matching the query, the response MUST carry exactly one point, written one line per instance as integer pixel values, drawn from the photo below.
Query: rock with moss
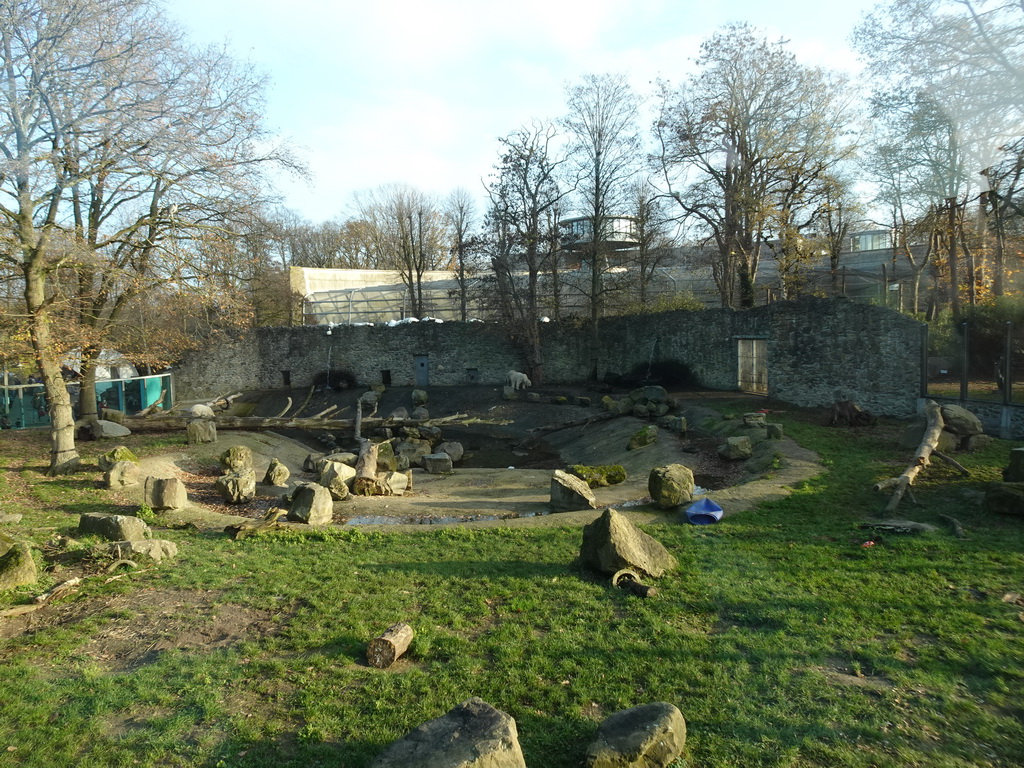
(277, 474)
(612, 543)
(387, 461)
(569, 493)
(645, 436)
(609, 403)
(736, 448)
(201, 431)
(419, 397)
(237, 458)
(649, 735)
(17, 567)
(237, 487)
(117, 453)
(599, 476)
(671, 485)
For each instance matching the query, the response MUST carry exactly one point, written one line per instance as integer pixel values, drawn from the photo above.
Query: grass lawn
(782, 639)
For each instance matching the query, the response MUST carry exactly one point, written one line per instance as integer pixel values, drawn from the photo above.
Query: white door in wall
(753, 366)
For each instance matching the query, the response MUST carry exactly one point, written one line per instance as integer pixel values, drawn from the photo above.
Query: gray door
(422, 365)
(753, 366)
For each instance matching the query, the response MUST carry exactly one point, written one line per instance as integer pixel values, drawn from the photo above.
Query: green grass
(782, 639)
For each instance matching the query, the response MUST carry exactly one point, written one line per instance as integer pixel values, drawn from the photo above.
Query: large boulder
(200, 431)
(101, 429)
(237, 487)
(121, 475)
(237, 458)
(337, 478)
(419, 397)
(569, 493)
(648, 736)
(155, 549)
(438, 463)
(649, 394)
(277, 474)
(1005, 499)
(736, 448)
(453, 449)
(311, 504)
(118, 453)
(960, 421)
(471, 735)
(599, 476)
(414, 450)
(612, 543)
(113, 527)
(642, 437)
(164, 493)
(393, 483)
(17, 567)
(387, 461)
(671, 485)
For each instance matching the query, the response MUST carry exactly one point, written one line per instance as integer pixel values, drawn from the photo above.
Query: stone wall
(817, 351)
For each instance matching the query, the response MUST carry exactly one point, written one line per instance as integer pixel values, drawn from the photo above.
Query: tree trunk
(384, 650)
(365, 482)
(921, 460)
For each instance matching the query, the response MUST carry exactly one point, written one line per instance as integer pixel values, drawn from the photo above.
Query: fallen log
(256, 423)
(921, 460)
(385, 649)
(577, 423)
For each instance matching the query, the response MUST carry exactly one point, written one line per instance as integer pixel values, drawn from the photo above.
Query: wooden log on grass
(385, 649)
(921, 460)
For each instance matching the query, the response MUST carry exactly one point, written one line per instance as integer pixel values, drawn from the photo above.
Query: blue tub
(703, 512)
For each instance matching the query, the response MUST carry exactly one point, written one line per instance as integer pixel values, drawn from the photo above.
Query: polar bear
(518, 380)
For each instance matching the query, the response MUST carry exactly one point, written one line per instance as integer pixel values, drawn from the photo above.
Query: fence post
(964, 358)
(1008, 364)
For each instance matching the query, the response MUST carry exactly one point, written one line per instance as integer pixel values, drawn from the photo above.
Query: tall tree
(750, 128)
(460, 215)
(605, 145)
(112, 133)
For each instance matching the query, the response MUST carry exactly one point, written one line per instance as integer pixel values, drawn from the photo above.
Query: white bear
(518, 380)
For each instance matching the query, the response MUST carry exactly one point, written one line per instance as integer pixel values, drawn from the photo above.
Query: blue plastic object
(703, 512)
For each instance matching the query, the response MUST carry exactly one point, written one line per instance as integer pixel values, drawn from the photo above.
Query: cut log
(921, 460)
(384, 650)
(365, 482)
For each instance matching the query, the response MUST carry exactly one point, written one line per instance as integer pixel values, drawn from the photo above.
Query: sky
(375, 92)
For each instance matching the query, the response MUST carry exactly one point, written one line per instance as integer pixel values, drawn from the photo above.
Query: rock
(113, 527)
(569, 493)
(387, 461)
(453, 449)
(581, 401)
(419, 397)
(369, 401)
(671, 485)
(973, 443)
(277, 474)
(121, 475)
(471, 735)
(164, 493)
(101, 429)
(624, 406)
(345, 457)
(114, 415)
(157, 549)
(237, 487)
(17, 567)
(648, 736)
(600, 476)
(509, 394)
(380, 388)
(659, 409)
(775, 431)
(237, 458)
(337, 479)
(200, 411)
(1014, 473)
(1005, 498)
(114, 455)
(754, 419)
(533, 397)
(609, 404)
(673, 424)
(10, 518)
(612, 543)
(960, 421)
(399, 414)
(736, 448)
(649, 394)
(438, 463)
(311, 504)
(419, 414)
(913, 434)
(642, 437)
(641, 412)
(414, 450)
(393, 483)
(311, 462)
(200, 431)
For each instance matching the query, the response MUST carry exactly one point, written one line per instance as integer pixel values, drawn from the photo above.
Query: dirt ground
(522, 433)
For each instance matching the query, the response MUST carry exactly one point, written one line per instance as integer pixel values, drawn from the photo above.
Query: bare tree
(605, 146)
(460, 215)
(114, 134)
(742, 139)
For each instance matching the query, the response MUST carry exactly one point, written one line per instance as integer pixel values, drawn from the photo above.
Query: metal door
(422, 365)
(753, 366)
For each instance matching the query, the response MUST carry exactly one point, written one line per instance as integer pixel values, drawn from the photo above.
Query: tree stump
(384, 650)
(365, 482)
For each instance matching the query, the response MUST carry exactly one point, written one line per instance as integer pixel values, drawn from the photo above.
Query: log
(256, 423)
(287, 408)
(953, 463)
(365, 482)
(385, 649)
(921, 460)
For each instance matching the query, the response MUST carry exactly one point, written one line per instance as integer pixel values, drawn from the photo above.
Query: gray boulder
(311, 504)
(419, 397)
(736, 448)
(612, 543)
(121, 475)
(399, 414)
(17, 567)
(345, 457)
(642, 437)
(960, 421)
(775, 431)
(237, 458)
(671, 485)
(453, 449)
(569, 493)
(237, 487)
(437, 463)
(393, 483)
(754, 419)
(414, 450)
(201, 431)
(648, 736)
(113, 527)
(649, 394)
(155, 549)
(101, 429)
(1014, 473)
(337, 478)
(277, 474)
(420, 414)
(165, 493)
(913, 434)
(114, 455)
(471, 735)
